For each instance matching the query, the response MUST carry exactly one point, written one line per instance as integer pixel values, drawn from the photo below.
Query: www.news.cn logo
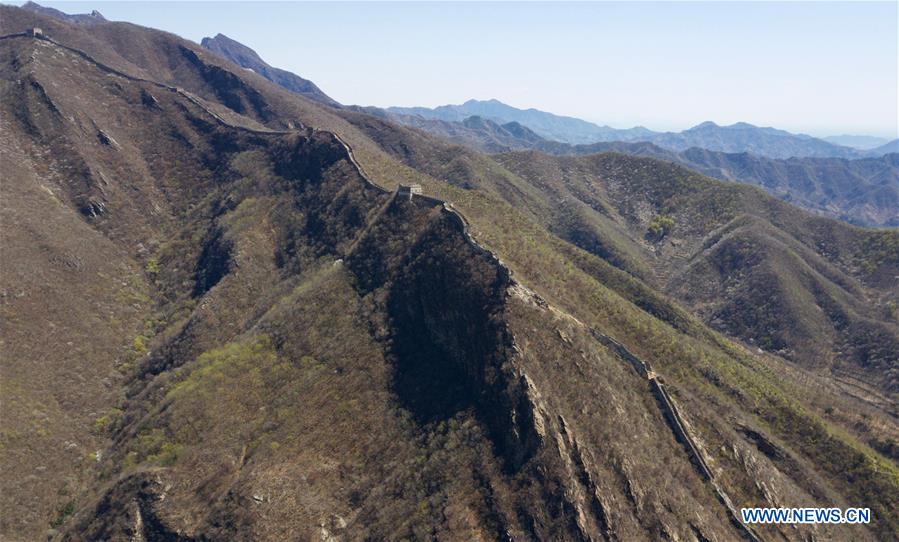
(806, 515)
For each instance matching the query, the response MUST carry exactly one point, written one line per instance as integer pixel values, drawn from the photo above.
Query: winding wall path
(676, 422)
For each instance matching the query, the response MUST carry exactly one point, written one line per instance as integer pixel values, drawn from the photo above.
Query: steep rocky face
(444, 302)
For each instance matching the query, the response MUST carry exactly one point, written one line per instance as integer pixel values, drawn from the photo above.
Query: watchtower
(404, 191)
(35, 32)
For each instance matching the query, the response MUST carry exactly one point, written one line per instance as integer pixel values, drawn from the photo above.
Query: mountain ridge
(738, 137)
(94, 17)
(247, 58)
(562, 128)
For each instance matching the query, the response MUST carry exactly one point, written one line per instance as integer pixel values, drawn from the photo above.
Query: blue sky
(823, 68)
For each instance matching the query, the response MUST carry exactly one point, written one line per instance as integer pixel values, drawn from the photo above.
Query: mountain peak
(246, 57)
(705, 125)
(221, 38)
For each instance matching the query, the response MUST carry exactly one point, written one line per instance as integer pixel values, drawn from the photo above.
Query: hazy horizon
(821, 68)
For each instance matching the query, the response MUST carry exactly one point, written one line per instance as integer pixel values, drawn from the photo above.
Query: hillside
(722, 250)
(863, 191)
(255, 337)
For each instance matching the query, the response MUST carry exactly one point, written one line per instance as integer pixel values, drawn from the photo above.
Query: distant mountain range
(247, 58)
(739, 137)
(547, 125)
(745, 137)
(475, 132)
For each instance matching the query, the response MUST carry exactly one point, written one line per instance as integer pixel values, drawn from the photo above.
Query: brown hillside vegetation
(220, 322)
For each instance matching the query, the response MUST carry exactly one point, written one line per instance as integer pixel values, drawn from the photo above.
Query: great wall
(667, 406)
(675, 420)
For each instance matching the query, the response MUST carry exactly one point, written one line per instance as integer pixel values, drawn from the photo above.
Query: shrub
(659, 227)
(152, 267)
(167, 455)
(107, 421)
(139, 345)
(62, 514)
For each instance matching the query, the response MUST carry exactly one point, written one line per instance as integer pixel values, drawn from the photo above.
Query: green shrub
(139, 345)
(152, 267)
(62, 514)
(107, 421)
(167, 455)
(153, 446)
(659, 227)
